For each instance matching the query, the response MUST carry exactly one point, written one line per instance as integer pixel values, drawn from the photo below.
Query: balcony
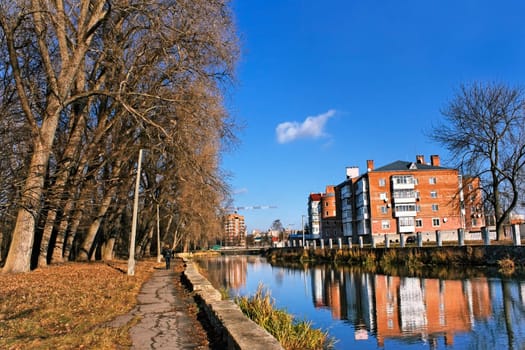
(400, 200)
(399, 214)
(402, 186)
(363, 216)
(403, 182)
(406, 229)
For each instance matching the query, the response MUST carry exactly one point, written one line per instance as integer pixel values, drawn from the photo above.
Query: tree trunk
(147, 246)
(87, 245)
(107, 249)
(70, 239)
(19, 256)
(59, 186)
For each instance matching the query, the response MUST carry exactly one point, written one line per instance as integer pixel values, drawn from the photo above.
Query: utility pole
(131, 260)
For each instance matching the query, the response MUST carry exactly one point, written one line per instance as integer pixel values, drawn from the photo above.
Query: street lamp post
(131, 260)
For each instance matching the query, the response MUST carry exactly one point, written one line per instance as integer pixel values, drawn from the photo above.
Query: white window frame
(385, 224)
(419, 222)
(433, 194)
(436, 222)
(432, 180)
(435, 207)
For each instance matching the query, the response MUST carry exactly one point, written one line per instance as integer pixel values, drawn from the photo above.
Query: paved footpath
(164, 317)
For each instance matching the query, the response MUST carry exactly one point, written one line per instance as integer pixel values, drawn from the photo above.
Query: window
(382, 196)
(405, 207)
(385, 224)
(419, 223)
(404, 194)
(470, 187)
(382, 182)
(435, 222)
(474, 222)
(418, 208)
(407, 221)
(435, 207)
(432, 180)
(403, 179)
(433, 194)
(384, 209)
(416, 181)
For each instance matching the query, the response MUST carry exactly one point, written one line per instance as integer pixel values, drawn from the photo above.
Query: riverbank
(471, 256)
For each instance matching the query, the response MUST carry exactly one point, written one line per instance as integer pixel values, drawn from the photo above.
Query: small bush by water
(506, 266)
(291, 333)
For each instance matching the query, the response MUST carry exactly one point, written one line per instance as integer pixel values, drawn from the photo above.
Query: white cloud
(312, 127)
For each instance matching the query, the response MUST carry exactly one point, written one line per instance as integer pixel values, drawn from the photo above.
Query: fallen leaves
(66, 306)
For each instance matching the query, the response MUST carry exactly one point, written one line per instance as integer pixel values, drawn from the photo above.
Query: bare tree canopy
(85, 84)
(484, 130)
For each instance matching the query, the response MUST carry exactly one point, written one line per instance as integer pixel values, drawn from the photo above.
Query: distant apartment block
(330, 216)
(314, 214)
(400, 197)
(234, 230)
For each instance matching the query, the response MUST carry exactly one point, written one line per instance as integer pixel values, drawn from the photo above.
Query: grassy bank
(66, 306)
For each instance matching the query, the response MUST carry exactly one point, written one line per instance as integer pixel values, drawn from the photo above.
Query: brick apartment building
(402, 197)
(234, 230)
(331, 226)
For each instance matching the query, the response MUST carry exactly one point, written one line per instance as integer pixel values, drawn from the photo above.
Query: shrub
(506, 266)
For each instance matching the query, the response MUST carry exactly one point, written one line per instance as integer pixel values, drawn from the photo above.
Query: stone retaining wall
(239, 332)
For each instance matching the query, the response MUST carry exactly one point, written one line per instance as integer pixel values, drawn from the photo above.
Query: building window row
(403, 180)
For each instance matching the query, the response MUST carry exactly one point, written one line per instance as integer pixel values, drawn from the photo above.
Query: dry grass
(67, 306)
(293, 334)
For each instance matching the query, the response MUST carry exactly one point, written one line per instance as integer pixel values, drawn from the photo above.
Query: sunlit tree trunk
(87, 244)
(19, 256)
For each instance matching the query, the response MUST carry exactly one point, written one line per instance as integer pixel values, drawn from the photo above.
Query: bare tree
(87, 84)
(484, 130)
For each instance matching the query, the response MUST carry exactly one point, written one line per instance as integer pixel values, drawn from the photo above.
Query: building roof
(400, 165)
(315, 196)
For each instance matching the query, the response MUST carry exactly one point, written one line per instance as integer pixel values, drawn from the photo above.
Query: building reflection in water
(401, 307)
(475, 312)
(229, 272)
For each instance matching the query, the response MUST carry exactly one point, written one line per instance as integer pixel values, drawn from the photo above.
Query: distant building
(234, 230)
(408, 197)
(314, 214)
(331, 226)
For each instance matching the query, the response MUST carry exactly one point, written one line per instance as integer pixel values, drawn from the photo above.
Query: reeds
(291, 333)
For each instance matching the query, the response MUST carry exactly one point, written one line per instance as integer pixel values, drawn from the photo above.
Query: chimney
(352, 172)
(420, 159)
(370, 165)
(434, 160)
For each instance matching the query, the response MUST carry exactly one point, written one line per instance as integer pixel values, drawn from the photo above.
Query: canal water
(364, 310)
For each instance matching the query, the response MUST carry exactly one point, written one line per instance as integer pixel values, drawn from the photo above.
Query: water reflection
(387, 311)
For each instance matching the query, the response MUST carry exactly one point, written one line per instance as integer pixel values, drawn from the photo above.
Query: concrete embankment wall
(239, 332)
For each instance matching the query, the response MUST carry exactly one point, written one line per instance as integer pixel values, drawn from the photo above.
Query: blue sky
(323, 85)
